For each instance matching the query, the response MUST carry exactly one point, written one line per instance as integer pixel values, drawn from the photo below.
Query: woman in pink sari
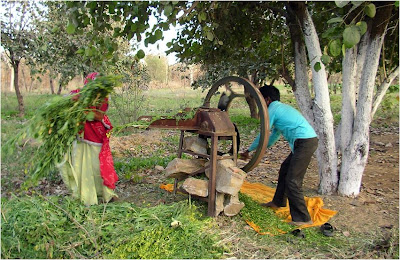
(88, 168)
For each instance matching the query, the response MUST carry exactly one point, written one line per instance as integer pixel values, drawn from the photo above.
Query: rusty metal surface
(215, 121)
(206, 121)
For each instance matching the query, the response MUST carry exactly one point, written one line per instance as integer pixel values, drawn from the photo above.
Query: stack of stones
(195, 173)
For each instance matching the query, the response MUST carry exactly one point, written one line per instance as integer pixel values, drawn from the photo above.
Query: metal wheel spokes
(263, 112)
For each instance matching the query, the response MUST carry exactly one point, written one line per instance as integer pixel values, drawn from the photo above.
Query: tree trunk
(252, 105)
(51, 85)
(59, 89)
(300, 86)
(323, 119)
(11, 78)
(20, 99)
(345, 128)
(249, 99)
(355, 155)
(24, 79)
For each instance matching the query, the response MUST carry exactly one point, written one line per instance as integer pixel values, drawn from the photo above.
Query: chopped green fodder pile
(53, 227)
(265, 219)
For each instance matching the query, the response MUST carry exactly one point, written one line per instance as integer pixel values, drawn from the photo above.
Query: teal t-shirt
(287, 121)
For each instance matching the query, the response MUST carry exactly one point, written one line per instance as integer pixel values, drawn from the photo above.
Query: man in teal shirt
(287, 121)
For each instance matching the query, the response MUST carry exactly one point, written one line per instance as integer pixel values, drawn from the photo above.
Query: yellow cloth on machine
(262, 193)
(80, 172)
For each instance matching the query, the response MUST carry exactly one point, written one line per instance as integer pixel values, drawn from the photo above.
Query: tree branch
(187, 11)
(382, 90)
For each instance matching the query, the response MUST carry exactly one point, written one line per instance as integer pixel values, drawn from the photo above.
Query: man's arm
(274, 137)
(253, 146)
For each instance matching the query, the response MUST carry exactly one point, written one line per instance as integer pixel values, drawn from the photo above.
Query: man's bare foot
(270, 205)
(300, 223)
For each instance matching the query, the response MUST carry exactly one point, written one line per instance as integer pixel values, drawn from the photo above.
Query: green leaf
(325, 59)
(158, 34)
(140, 54)
(70, 28)
(335, 47)
(351, 36)
(202, 16)
(335, 20)
(396, 3)
(333, 33)
(370, 10)
(168, 10)
(220, 42)
(88, 52)
(210, 36)
(341, 4)
(362, 26)
(90, 116)
(151, 39)
(317, 66)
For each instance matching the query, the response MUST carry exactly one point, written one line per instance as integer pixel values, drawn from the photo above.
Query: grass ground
(44, 222)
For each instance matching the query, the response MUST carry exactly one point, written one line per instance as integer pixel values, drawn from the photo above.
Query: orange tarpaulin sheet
(167, 187)
(262, 193)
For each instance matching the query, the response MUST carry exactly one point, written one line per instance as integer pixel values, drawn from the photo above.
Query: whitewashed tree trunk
(349, 97)
(326, 152)
(350, 81)
(359, 74)
(355, 155)
(300, 84)
(361, 59)
(382, 90)
(302, 93)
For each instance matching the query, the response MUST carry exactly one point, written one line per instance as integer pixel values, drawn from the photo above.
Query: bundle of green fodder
(56, 124)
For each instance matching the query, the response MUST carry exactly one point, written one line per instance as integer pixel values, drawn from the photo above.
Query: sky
(161, 46)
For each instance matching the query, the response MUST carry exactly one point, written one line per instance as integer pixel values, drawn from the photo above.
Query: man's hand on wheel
(245, 155)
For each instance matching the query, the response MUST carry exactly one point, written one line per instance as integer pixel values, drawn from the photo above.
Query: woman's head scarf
(90, 77)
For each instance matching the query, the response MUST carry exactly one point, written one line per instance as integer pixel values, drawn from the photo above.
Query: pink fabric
(91, 76)
(107, 170)
(74, 91)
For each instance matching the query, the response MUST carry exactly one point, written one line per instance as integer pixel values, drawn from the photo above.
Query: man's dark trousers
(290, 181)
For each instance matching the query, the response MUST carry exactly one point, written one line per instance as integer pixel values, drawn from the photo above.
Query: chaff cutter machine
(215, 124)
